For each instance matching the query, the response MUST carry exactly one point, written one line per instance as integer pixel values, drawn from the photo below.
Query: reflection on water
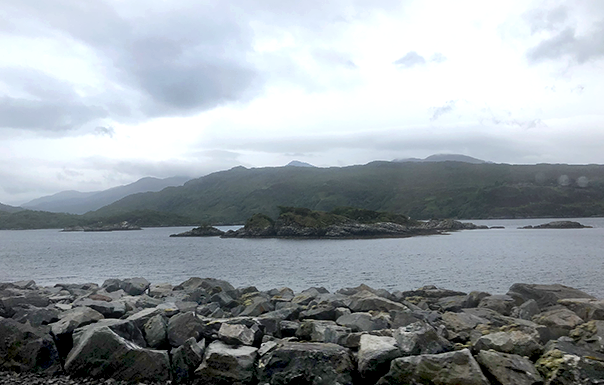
(490, 260)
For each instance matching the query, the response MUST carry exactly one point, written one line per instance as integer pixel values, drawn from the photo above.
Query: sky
(95, 94)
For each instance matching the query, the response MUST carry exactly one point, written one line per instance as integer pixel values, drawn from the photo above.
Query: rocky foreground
(205, 331)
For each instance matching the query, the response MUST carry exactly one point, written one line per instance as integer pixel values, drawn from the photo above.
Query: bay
(489, 260)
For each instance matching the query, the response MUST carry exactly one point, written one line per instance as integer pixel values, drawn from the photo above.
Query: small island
(558, 225)
(201, 231)
(342, 223)
(122, 226)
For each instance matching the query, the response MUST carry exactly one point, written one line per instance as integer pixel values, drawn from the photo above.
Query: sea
(487, 260)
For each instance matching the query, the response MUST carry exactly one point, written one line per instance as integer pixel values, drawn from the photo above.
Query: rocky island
(206, 331)
(341, 223)
(558, 225)
(201, 231)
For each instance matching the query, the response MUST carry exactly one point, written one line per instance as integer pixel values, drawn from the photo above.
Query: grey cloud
(104, 131)
(47, 103)
(437, 112)
(566, 42)
(438, 58)
(546, 19)
(411, 59)
(161, 60)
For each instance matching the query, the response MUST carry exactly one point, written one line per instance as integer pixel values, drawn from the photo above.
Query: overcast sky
(95, 94)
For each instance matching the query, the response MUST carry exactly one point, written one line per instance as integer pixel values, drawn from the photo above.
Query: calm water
(489, 260)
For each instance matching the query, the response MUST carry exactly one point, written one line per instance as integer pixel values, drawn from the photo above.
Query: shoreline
(205, 330)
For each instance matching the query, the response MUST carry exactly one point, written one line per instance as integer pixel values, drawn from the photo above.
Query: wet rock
(544, 295)
(375, 354)
(306, 363)
(503, 368)
(135, 286)
(224, 364)
(513, 342)
(101, 353)
(124, 328)
(420, 338)
(185, 359)
(451, 368)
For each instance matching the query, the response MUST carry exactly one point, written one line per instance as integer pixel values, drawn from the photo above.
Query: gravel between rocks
(12, 378)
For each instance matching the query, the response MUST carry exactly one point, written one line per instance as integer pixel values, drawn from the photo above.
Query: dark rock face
(306, 363)
(201, 231)
(544, 295)
(447, 369)
(102, 353)
(502, 368)
(24, 348)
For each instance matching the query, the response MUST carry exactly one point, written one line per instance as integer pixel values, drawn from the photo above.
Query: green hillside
(419, 190)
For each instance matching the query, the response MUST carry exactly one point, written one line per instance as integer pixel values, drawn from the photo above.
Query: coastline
(189, 331)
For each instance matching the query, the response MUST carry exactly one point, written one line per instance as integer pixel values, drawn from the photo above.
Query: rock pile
(205, 331)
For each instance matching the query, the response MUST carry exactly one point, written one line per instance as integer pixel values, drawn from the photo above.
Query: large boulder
(183, 326)
(365, 301)
(559, 320)
(544, 295)
(156, 332)
(564, 363)
(503, 368)
(109, 309)
(306, 363)
(362, 322)
(461, 325)
(25, 348)
(451, 368)
(322, 331)
(124, 328)
(224, 364)
(586, 308)
(101, 353)
(375, 354)
(37, 316)
(236, 334)
(75, 318)
(185, 359)
(513, 342)
(420, 338)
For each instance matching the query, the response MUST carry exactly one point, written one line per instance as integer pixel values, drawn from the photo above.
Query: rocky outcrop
(304, 223)
(104, 227)
(205, 331)
(201, 231)
(558, 225)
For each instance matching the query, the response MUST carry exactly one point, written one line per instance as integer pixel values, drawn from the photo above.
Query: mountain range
(76, 202)
(419, 189)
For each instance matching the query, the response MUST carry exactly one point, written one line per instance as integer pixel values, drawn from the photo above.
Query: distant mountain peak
(443, 158)
(297, 163)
